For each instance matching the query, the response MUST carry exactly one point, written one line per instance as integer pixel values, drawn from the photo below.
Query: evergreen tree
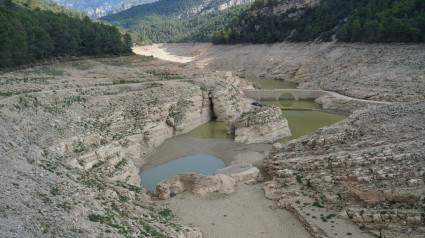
(30, 35)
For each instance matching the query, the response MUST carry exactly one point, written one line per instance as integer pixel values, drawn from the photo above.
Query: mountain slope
(178, 20)
(27, 36)
(314, 20)
(49, 6)
(100, 8)
(170, 9)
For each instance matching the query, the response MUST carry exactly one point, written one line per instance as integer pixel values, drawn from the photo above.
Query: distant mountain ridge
(99, 8)
(49, 6)
(178, 20)
(171, 9)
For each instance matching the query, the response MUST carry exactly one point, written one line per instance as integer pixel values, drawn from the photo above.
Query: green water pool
(212, 129)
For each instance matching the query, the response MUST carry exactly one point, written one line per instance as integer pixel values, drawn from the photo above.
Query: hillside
(178, 21)
(49, 6)
(28, 36)
(96, 9)
(350, 21)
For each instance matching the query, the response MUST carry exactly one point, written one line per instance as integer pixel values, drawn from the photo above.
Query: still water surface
(212, 129)
(198, 163)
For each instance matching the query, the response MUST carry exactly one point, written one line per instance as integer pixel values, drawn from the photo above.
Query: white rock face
(228, 105)
(240, 172)
(265, 125)
(223, 182)
(196, 183)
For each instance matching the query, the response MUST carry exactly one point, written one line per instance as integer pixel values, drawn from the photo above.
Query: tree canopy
(28, 36)
(348, 20)
(175, 20)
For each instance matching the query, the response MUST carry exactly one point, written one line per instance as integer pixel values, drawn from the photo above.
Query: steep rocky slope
(369, 168)
(71, 134)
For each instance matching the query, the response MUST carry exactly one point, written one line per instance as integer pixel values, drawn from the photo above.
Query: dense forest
(350, 20)
(49, 6)
(163, 9)
(28, 36)
(193, 29)
(175, 20)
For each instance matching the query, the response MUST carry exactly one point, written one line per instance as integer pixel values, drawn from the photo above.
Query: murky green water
(212, 129)
(300, 122)
(272, 83)
(198, 163)
(307, 122)
(292, 103)
(304, 123)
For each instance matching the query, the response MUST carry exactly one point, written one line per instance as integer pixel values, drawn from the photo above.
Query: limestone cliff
(369, 168)
(264, 125)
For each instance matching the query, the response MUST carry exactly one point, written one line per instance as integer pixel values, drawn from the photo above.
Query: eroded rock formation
(224, 181)
(264, 125)
(369, 168)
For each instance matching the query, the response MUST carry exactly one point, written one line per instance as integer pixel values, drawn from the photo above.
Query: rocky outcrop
(195, 183)
(228, 105)
(368, 165)
(232, 3)
(264, 125)
(224, 181)
(345, 104)
(206, 6)
(284, 6)
(240, 172)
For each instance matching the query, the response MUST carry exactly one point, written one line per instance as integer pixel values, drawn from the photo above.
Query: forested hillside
(178, 20)
(100, 8)
(197, 28)
(349, 20)
(28, 36)
(49, 6)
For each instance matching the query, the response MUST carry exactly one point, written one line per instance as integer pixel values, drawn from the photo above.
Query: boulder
(196, 183)
(264, 125)
(240, 172)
